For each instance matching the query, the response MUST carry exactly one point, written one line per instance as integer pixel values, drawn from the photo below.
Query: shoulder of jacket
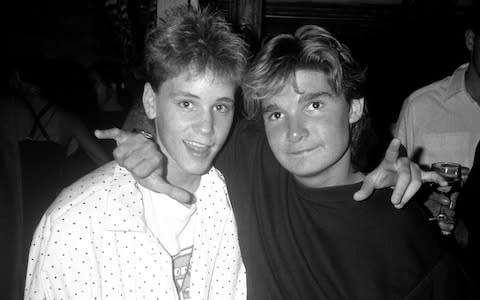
(215, 174)
(92, 190)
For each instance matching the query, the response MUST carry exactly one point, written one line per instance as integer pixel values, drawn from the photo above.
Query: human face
(193, 115)
(476, 52)
(472, 40)
(472, 75)
(308, 129)
(101, 89)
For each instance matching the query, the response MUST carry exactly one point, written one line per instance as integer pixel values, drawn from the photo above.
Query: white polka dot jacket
(93, 243)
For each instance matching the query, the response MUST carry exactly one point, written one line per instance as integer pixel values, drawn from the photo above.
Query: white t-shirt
(173, 225)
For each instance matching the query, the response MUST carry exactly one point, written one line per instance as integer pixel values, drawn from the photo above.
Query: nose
(296, 130)
(204, 125)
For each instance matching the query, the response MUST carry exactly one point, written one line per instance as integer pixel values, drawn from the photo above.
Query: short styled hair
(310, 48)
(474, 24)
(193, 40)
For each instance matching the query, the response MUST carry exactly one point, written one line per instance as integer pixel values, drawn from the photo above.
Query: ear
(356, 110)
(149, 101)
(469, 39)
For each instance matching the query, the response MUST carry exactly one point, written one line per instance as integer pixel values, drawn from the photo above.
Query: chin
(307, 169)
(198, 169)
(304, 172)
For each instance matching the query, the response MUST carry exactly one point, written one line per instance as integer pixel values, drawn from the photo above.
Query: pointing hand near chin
(140, 155)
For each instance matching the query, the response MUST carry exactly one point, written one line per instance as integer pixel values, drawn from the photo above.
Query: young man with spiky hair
(105, 237)
(291, 174)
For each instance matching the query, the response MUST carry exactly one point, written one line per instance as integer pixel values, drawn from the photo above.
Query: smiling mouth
(301, 152)
(197, 148)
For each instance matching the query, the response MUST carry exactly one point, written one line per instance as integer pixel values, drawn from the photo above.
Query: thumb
(157, 183)
(434, 177)
(365, 191)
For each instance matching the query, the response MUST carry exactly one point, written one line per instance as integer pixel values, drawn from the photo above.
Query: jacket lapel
(213, 212)
(125, 211)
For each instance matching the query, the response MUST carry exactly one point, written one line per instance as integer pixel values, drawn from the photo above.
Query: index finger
(413, 186)
(403, 181)
(393, 151)
(113, 133)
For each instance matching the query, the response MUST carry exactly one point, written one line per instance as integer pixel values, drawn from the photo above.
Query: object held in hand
(451, 172)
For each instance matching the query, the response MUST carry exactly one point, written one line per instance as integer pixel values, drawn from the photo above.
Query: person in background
(441, 122)
(292, 172)
(112, 98)
(48, 136)
(39, 118)
(106, 236)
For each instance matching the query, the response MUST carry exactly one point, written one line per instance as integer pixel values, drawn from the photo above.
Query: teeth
(197, 145)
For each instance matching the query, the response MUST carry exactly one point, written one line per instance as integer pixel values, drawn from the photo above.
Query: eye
(315, 105)
(275, 116)
(222, 108)
(185, 104)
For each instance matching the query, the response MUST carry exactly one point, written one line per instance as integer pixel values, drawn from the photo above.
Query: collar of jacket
(125, 209)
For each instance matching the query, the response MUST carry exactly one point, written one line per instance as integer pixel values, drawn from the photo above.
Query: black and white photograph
(239, 149)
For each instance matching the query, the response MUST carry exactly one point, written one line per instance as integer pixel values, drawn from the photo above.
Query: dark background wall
(76, 30)
(404, 44)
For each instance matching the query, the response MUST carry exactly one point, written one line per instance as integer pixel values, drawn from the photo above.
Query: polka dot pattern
(93, 243)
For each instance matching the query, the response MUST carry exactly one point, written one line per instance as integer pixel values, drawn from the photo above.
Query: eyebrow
(184, 94)
(269, 106)
(226, 99)
(311, 96)
(190, 95)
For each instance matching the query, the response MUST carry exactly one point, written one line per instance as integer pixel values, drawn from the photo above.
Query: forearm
(90, 145)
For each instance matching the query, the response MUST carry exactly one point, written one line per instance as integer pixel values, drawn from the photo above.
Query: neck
(472, 82)
(182, 180)
(339, 173)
